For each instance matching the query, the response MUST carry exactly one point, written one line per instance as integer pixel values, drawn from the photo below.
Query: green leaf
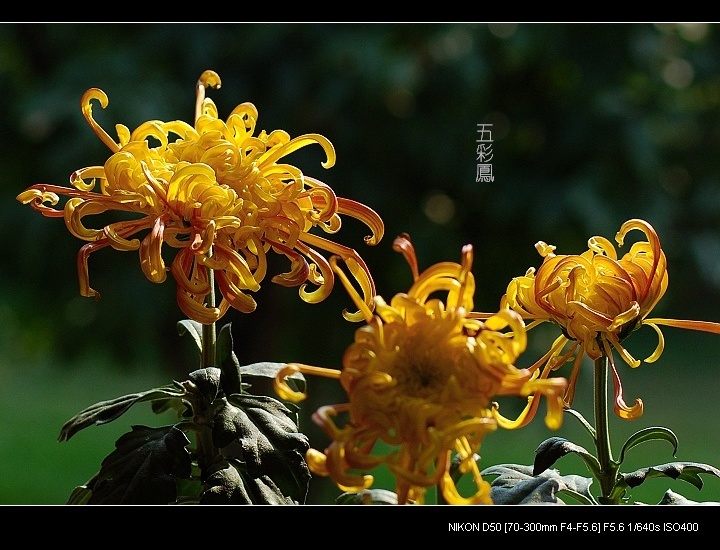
(228, 361)
(259, 430)
(143, 468)
(649, 434)
(208, 382)
(685, 471)
(516, 484)
(107, 411)
(229, 483)
(192, 328)
(367, 497)
(550, 450)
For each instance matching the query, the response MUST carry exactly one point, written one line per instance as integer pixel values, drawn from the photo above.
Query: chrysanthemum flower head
(598, 298)
(420, 379)
(219, 193)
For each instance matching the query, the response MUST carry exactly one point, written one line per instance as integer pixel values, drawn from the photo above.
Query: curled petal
(37, 196)
(525, 416)
(86, 104)
(185, 272)
(82, 264)
(294, 144)
(366, 215)
(317, 462)
(363, 307)
(196, 309)
(286, 392)
(151, 260)
(232, 293)
(404, 245)
(620, 408)
(325, 280)
(452, 495)
(660, 345)
(336, 467)
(283, 389)
(300, 269)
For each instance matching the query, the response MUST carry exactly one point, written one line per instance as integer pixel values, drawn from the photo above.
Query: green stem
(209, 335)
(608, 467)
(205, 448)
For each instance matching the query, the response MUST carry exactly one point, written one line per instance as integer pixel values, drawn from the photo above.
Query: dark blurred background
(593, 124)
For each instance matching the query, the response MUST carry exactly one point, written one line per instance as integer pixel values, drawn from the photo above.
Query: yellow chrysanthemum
(217, 192)
(597, 299)
(420, 378)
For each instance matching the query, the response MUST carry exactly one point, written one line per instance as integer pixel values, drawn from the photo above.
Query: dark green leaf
(368, 496)
(107, 411)
(228, 361)
(685, 471)
(649, 434)
(208, 382)
(192, 328)
(516, 484)
(225, 485)
(259, 431)
(230, 483)
(143, 468)
(550, 450)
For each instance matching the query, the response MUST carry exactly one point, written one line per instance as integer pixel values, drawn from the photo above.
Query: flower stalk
(608, 467)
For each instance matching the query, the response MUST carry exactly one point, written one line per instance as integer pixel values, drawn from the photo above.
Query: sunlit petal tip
(453, 496)
(30, 195)
(210, 79)
(366, 482)
(554, 417)
(523, 418)
(628, 413)
(86, 106)
(317, 462)
(404, 246)
(545, 249)
(93, 93)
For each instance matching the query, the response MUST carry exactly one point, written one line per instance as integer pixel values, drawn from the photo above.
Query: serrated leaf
(685, 471)
(143, 468)
(107, 411)
(229, 483)
(516, 484)
(550, 450)
(259, 431)
(649, 434)
(367, 497)
(193, 329)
